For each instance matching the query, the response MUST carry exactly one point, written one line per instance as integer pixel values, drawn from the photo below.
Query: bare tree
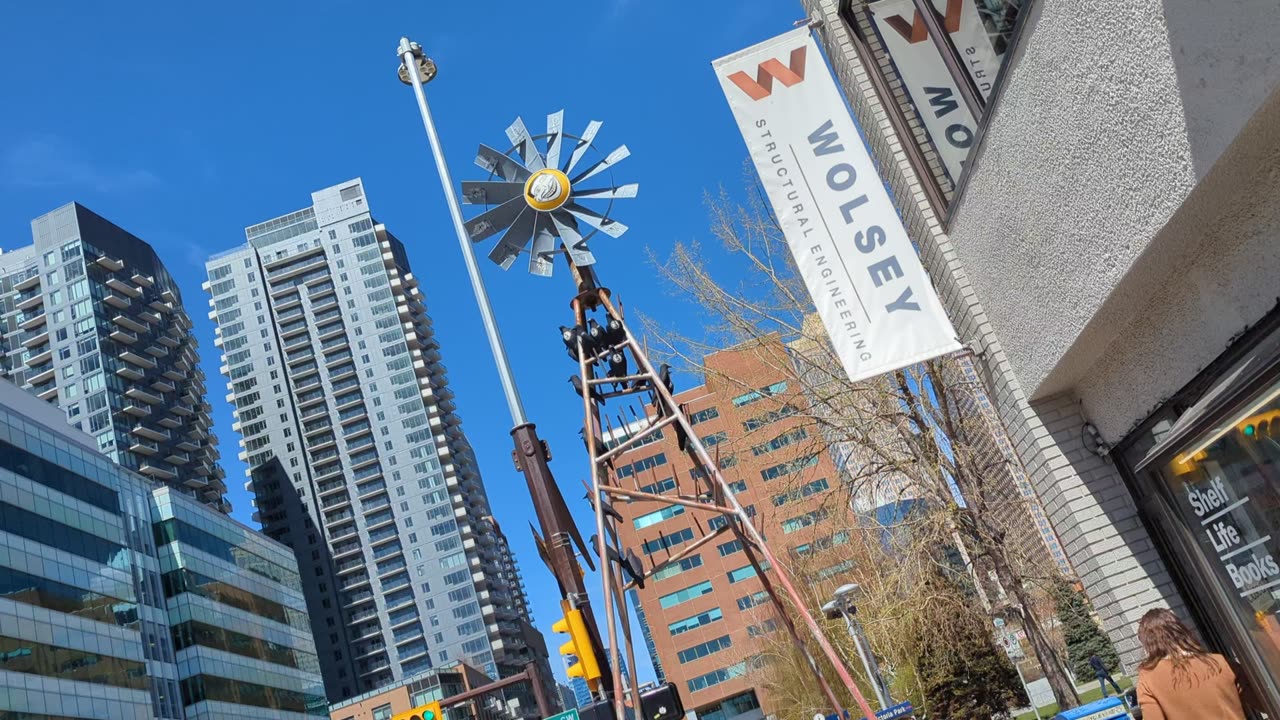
(915, 434)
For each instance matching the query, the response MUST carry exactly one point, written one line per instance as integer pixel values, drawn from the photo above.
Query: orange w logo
(917, 31)
(767, 72)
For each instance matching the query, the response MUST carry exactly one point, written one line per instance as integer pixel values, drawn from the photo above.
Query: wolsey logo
(917, 31)
(768, 71)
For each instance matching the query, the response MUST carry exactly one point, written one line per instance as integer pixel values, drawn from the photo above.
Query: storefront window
(1224, 486)
(942, 100)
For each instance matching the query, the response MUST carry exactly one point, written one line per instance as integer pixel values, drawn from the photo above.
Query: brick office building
(704, 613)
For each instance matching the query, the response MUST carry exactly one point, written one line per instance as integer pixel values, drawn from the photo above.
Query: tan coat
(1202, 690)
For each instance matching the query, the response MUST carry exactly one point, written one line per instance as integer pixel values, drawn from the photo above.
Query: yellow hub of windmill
(546, 190)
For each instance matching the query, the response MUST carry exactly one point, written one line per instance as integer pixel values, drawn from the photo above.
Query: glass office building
(91, 321)
(355, 455)
(94, 621)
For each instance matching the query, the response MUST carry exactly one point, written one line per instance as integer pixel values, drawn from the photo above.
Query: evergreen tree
(1081, 632)
(964, 674)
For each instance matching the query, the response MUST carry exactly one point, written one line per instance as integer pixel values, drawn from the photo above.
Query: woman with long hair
(1179, 679)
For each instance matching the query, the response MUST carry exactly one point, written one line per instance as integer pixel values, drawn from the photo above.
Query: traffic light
(430, 711)
(587, 667)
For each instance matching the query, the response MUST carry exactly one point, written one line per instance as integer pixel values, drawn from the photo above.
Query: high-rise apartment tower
(92, 321)
(355, 456)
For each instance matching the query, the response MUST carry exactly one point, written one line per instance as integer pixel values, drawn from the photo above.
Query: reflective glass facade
(119, 599)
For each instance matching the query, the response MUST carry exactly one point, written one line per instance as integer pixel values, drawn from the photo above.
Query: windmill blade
(495, 162)
(555, 133)
(542, 261)
(488, 223)
(613, 158)
(574, 243)
(490, 192)
(584, 142)
(519, 136)
(613, 193)
(608, 226)
(514, 239)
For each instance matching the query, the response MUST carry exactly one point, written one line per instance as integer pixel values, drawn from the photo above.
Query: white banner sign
(928, 82)
(873, 296)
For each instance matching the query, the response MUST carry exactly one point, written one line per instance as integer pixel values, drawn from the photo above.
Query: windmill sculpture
(533, 201)
(536, 197)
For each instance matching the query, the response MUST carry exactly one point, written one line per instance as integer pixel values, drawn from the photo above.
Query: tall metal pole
(409, 53)
(530, 453)
(868, 661)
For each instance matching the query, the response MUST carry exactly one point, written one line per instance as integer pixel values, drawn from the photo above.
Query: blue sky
(185, 122)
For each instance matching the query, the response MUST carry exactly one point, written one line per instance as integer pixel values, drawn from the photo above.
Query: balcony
(162, 385)
(110, 263)
(46, 393)
(322, 442)
(306, 265)
(330, 331)
(130, 356)
(143, 280)
(144, 447)
(328, 471)
(352, 582)
(320, 289)
(123, 287)
(326, 488)
(131, 373)
(151, 317)
(168, 341)
(187, 446)
(136, 410)
(36, 339)
(349, 565)
(151, 433)
(335, 501)
(28, 301)
(121, 335)
(31, 321)
(157, 471)
(28, 282)
(129, 323)
(182, 410)
(40, 357)
(177, 458)
(40, 374)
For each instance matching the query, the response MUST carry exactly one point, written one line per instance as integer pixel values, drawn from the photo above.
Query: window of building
(704, 649)
(703, 415)
(666, 542)
(684, 595)
(729, 548)
(692, 623)
(804, 491)
(808, 519)
(764, 392)
(745, 572)
(675, 568)
(657, 516)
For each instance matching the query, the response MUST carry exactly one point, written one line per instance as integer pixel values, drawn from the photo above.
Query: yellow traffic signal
(430, 711)
(579, 646)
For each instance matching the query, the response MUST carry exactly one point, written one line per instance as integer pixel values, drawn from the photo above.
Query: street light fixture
(842, 606)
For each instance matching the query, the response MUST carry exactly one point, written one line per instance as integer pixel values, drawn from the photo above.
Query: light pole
(842, 606)
(559, 533)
